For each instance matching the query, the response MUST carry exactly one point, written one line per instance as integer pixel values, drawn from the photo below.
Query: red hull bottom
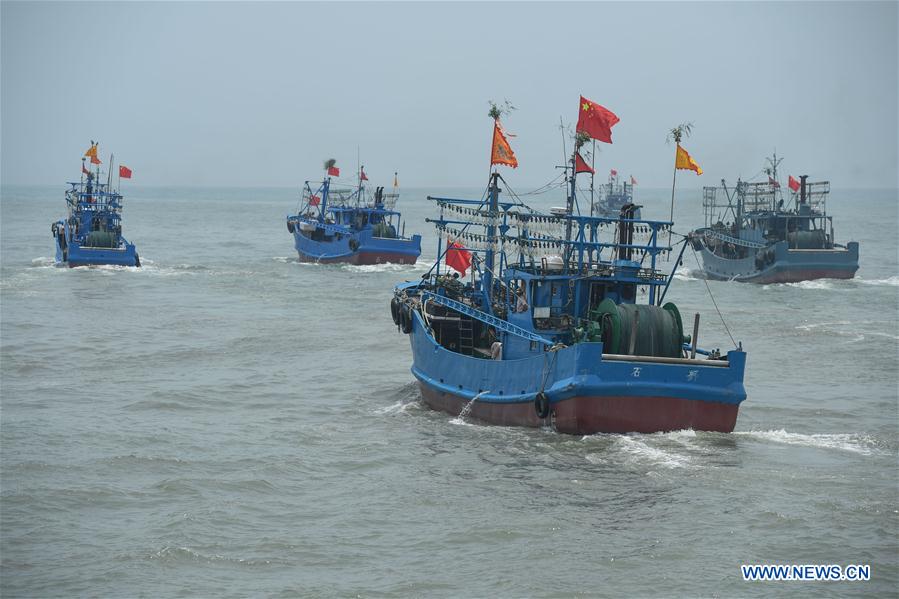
(588, 415)
(364, 258)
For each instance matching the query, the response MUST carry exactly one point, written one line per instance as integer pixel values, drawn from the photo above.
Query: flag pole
(673, 181)
(492, 145)
(592, 175)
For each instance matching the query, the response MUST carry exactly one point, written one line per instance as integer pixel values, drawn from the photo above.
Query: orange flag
(685, 162)
(92, 153)
(502, 152)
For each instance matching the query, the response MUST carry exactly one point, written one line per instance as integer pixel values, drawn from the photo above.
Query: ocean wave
(44, 262)
(685, 274)
(642, 450)
(838, 328)
(851, 442)
(181, 554)
(388, 267)
(816, 284)
(891, 281)
(399, 407)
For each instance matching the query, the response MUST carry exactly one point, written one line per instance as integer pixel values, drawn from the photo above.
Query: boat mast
(569, 206)
(326, 184)
(489, 256)
(772, 174)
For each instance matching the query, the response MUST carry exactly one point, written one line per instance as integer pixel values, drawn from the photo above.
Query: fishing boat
(91, 232)
(613, 195)
(350, 225)
(561, 322)
(753, 234)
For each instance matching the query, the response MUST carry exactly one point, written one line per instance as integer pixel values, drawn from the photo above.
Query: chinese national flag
(333, 171)
(595, 120)
(502, 154)
(613, 172)
(315, 201)
(772, 181)
(581, 166)
(84, 170)
(633, 181)
(362, 174)
(685, 162)
(793, 183)
(124, 172)
(457, 257)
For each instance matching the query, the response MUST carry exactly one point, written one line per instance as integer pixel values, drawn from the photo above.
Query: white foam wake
(891, 281)
(685, 274)
(387, 267)
(817, 284)
(854, 443)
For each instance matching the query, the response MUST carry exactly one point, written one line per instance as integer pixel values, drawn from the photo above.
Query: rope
(714, 303)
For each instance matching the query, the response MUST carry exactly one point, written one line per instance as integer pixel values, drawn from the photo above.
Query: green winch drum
(100, 239)
(807, 240)
(660, 331)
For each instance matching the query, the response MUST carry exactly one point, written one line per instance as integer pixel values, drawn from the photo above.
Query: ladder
(466, 336)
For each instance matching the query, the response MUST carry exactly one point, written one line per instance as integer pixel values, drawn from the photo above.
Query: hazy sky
(247, 94)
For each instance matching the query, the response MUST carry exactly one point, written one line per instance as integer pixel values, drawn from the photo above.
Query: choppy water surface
(228, 421)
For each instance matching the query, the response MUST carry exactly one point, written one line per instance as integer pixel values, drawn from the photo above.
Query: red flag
(124, 172)
(362, 175)
(94, 159)
(457, 257)
(595, 120)
(333, 171)
(314, 201)
(793, 183)
(633, 181)
(84, 170)
(771, 181)
(581, 166)
(613, 172)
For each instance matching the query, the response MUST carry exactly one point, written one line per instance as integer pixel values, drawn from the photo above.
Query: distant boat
(547, 331)
(613, 195)
(351, 226)
(91, 232)
(752, 235)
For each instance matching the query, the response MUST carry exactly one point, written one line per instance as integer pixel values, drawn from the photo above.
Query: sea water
(227, 421)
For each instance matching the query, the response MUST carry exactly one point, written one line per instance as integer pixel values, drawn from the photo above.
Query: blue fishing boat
(751, 235)
(91, 232)
(613, 195)
(351, 225)
(547, 329)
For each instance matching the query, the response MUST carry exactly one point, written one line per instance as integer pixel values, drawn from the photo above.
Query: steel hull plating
(587, 393)
(76, 255)
(371, 250)
(789, 266)
(361, 258)
(588, 415)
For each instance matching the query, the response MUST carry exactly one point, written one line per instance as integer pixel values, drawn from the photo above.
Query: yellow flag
(91, 151)
(685, 162)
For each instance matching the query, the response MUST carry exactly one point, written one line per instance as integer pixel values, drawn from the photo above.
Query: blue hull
(587, 391)
(75, 255)
(786, 266)
(360, 248)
